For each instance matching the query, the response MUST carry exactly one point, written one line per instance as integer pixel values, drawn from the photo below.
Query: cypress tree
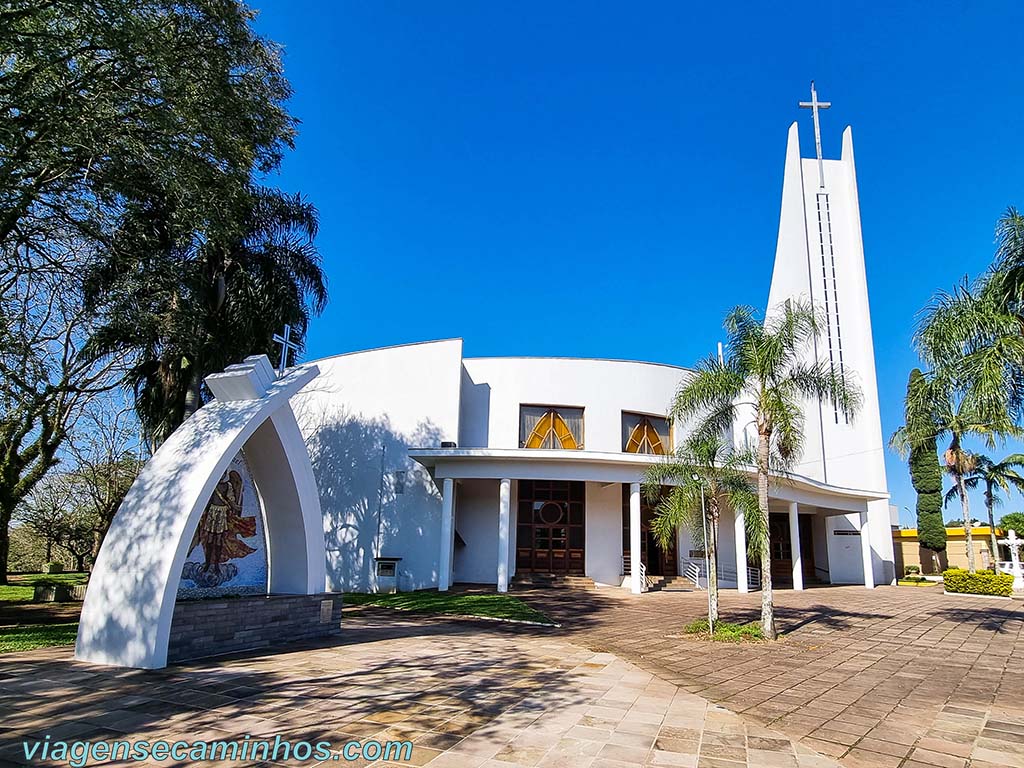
(926, 477)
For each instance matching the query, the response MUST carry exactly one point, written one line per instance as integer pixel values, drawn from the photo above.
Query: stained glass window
(544, 426)
(646, 434)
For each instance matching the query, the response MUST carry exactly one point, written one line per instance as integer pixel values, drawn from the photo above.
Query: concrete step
(551, 580)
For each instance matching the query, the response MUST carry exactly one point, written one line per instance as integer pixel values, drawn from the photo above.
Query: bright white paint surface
(126, 617)
(359, 418)
(603, 550)
(635, 582)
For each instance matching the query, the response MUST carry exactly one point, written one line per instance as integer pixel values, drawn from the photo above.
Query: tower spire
(814, 105)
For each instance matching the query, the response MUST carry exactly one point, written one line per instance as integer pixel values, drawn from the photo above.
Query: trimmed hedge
(978, 583)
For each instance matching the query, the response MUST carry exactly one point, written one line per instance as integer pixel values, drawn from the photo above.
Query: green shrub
(912, 570)
(730, 633)
(55, 567)
(978, 583)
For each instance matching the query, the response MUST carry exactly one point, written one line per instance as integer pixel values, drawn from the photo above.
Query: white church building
(479, 470)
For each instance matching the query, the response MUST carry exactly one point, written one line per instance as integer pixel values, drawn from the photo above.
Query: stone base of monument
(202, 628)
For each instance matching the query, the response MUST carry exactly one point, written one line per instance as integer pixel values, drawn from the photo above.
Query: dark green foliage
(926, 477)
(978, 583)
(1014, 521)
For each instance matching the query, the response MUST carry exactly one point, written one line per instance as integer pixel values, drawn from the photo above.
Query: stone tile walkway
(893, 677)
(467, 694)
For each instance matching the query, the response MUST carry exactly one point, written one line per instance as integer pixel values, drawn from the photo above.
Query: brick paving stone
(857, 672)
(467, 694)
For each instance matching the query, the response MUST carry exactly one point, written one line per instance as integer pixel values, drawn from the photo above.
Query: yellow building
(908, 551)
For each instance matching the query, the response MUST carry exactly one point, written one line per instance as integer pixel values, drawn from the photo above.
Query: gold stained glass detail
(644, 439)
(551, 430)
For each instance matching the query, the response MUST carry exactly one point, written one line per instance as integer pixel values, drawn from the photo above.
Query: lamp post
(707, 558)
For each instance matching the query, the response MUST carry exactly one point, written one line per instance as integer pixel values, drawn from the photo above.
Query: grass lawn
(29, 636)
(19, 590)
(724, 631)
(25, 625)
(492, 606)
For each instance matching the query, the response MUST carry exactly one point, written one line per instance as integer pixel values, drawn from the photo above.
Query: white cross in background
(814, 105)
(286, 343)
(1014, 545)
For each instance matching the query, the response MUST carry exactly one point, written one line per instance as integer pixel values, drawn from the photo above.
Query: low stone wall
(212, 627)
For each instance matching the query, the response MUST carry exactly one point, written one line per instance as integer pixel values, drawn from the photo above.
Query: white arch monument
(126, 618)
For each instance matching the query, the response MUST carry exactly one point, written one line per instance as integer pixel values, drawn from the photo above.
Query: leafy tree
(106, 462)
(47, 376)
(704, 477)
(104, 98)
(109, 106)
(185, 308)
(993, 476)
(926, 477)
(770, 372)
(1014, 521)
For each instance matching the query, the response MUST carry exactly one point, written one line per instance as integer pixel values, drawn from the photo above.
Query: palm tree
(975, 387)
(188, 306)
(706, 475)
(770, 371)
(993, 475)
(937, 409)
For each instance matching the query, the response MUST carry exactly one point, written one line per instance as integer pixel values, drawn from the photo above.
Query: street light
(707, 558)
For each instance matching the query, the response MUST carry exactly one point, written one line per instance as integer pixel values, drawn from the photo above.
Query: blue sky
(604, 179)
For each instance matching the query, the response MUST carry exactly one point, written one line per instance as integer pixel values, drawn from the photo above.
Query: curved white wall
(493, 388)
(359, 418)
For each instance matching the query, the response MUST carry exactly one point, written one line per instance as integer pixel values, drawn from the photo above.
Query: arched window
(548, 427)
(646, 434)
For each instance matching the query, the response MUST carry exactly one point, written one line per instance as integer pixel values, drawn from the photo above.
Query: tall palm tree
(770, 372)
(705, 476)
(993, 475)
(936, 408)
(187, 306)
(975, 387)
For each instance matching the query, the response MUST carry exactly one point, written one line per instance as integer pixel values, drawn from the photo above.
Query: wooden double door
(782, 549)
(551, 527)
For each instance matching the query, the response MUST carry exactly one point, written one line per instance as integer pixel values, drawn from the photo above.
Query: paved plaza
(895, 676)
(892, 677)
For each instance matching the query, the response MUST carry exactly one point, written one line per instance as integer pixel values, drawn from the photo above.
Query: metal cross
(286, 343)
(814, 105)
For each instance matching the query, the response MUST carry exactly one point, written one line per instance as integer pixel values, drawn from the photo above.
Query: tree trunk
(80, 563)
(713, 570)
(6, 511)
(767, 604)
(990, 502)
(193, 399)
(965, 505)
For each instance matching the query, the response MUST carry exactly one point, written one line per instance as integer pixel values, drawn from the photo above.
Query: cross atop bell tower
(814, 105)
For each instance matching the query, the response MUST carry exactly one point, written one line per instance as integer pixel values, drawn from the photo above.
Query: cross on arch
(285, 340)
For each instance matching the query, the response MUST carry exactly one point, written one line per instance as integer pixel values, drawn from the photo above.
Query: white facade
(419, 453)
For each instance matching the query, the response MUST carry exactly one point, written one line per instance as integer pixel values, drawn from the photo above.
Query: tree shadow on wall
(374, 498)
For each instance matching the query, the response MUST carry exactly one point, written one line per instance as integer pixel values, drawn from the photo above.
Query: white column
(740, 527)
(865, 551)
(794, 545)
(634, 538)
(504, 506)
(444, 563)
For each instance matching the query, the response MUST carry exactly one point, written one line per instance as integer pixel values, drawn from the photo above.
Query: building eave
(633, 464)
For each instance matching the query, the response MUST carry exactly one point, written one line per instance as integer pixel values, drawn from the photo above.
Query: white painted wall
(604, 533)
(396, 397)
(495, 387)
(476, 520)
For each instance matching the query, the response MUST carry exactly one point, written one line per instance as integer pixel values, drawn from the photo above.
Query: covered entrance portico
(581, 513)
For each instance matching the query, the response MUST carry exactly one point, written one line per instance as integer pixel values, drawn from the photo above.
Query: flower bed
(962, 581)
